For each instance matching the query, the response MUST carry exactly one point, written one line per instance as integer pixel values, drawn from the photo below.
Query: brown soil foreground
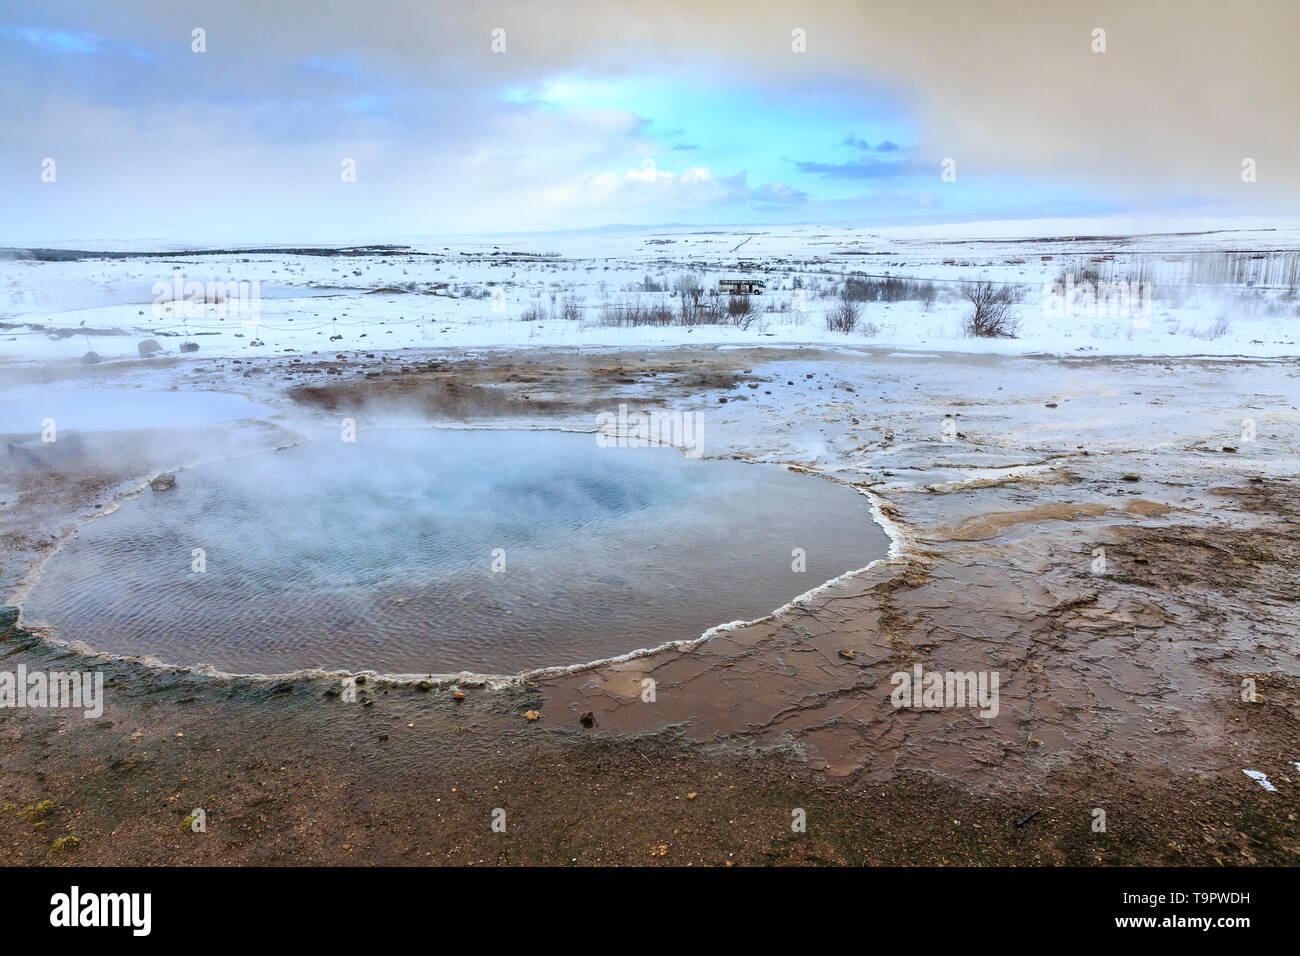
(1121, 684)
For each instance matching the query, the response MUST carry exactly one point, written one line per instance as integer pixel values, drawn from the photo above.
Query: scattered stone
(163, 482)
(846, 653)
(533, 715)
(587, 719)
(148, 347)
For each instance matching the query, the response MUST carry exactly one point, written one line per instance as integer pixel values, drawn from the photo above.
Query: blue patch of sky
(765, 132)
(53, 39)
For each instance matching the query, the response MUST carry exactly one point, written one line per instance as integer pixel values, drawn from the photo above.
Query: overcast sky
(645, 112)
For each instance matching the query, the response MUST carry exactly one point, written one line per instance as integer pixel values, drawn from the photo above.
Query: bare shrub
(635, 313)
(1218, 330)
(534, 313)
(571, 308)
(843, 317)
(888, 289)
(712, 312)
(740, 311)
(929, 292)
(689, 287)
(688, 284)
(994, 316)
(1078, 275)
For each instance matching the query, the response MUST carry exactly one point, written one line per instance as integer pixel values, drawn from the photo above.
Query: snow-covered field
(1215, 288)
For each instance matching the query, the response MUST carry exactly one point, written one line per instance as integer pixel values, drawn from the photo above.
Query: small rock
(163, 482)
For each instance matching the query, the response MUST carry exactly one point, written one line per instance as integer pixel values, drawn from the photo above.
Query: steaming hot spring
(425, 551)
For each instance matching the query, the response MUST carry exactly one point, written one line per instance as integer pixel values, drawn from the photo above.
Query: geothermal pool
(380, 554)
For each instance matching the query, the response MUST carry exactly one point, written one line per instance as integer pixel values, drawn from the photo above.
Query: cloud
(867, 169)
(777, 194)
(694, 187)
(249, 135)
(57, 41)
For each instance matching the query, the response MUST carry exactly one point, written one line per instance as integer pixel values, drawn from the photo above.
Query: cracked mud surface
(1120, 685)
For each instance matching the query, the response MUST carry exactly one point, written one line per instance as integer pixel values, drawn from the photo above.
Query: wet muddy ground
(1108, 536)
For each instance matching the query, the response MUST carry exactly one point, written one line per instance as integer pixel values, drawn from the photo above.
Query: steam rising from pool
(380, 554)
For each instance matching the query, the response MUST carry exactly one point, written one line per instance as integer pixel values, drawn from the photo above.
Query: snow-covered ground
(1216, 288)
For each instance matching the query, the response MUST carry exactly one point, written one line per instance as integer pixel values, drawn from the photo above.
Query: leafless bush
(889, 289)
(929, 292)
(689, 287)
(534, 313)
(1078, 275)
(710, 312)
(994, 316)
(635, 313)
(741, 312)
(688, 284)
(571, 308)
(1216, 331)
(843, 317)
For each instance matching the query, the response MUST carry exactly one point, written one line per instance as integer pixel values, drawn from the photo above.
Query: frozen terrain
(1211, 288)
